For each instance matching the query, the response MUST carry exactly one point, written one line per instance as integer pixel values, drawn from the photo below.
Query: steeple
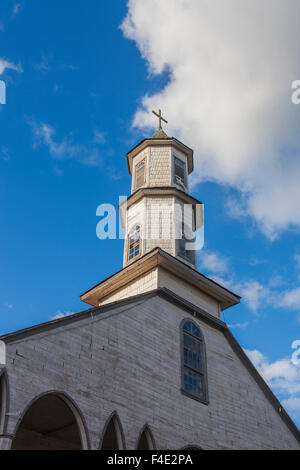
(160, 134)
(160, 219)
(160, 212)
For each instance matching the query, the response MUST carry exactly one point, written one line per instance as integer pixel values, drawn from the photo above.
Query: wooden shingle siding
(113, 363)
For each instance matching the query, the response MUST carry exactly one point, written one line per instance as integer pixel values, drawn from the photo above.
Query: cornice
(171, 141)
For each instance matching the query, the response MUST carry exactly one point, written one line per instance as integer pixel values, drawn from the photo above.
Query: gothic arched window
(194, 374)
(134, 242)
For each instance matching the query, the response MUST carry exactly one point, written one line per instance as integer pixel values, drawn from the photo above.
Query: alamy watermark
(2, 92)
(296, 94)
(158, 220)
(295, 359)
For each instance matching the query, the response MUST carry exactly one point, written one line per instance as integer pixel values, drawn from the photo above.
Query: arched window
(146, 440)
(113, 438)
(194, 374)
(134, 242)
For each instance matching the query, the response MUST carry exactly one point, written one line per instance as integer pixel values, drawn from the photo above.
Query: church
(150, 364)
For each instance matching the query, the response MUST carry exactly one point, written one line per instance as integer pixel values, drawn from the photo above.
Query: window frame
(205, 398)
(143, 160)
(179, 253)
(183, 187)
(133, 228)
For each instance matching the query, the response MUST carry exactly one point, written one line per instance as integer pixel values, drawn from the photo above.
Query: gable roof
(190, 308)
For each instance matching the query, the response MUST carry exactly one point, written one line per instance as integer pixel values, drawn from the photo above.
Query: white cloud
(254, 294)
(16, 8)
(6, 64)
(282, 376)
(231, 65)
(276, 281)
(99, 137)
(292, 405)
(255, 356)
(291, 299)
(44, 134)
(213, 262)
(242, 326)
(257, 295)
(43, 65)
(60, 314)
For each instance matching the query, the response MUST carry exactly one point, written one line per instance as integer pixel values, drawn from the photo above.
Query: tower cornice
(170, 141)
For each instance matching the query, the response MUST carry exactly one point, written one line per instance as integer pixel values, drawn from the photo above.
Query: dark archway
(51, 422)
(191, 448)
(113, 437)
(146, 440)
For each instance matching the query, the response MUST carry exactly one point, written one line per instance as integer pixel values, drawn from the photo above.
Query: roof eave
(158, 257)
(163, 141)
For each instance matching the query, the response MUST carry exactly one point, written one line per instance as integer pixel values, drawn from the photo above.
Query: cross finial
(160, 118)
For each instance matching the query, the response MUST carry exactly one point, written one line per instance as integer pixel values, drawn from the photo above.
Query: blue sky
(76, 83)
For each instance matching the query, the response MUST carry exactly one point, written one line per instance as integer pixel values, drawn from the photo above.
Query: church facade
(151, 364)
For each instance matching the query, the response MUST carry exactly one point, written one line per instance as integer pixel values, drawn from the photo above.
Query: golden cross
(160, 118)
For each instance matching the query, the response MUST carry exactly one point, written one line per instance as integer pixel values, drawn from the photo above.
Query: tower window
(134, 242)
(179, 172)
(194, 375)
(186, 239)
(140, 174)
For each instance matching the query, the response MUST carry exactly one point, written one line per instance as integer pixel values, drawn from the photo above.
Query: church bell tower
(159, 211)
(160, 220)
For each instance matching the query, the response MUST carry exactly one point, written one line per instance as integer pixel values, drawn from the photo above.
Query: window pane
(140, 174)
(195, 331)
(192, 329)
(179, 167)
(192, 352)
(185, 241)
(193, 356)
(193, 382)
(134, 242)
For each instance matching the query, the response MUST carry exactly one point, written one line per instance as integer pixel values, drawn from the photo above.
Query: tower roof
(158, 139)
(160, 134)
